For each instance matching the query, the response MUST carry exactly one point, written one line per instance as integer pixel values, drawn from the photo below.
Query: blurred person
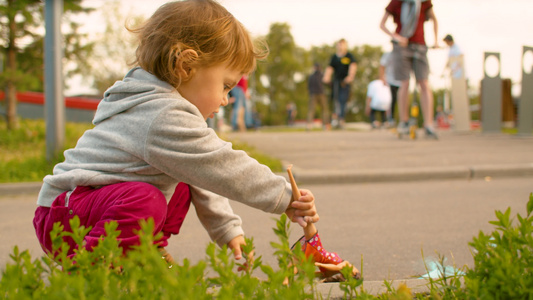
(317, 96)
(340, 74)
(386, 74)
(409, 54)
(240, 106)
(378, 101)
(455, 61)
(291, 113)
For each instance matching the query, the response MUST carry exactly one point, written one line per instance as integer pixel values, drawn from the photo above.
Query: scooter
(414, 111)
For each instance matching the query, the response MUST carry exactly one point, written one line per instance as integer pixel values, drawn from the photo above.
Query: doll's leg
(329, 263)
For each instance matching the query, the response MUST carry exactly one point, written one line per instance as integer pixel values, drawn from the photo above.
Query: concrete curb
(333, 290)
(412, 174)
(20, 188)
(380, 175)
(303, 176)
(509, 170)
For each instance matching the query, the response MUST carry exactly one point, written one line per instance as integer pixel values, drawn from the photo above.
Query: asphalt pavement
(387, 205)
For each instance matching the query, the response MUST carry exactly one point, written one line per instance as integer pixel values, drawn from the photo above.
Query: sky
(478, 26)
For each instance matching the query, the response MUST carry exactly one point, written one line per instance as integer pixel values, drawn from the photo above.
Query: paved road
(385, 220)
(386, 224)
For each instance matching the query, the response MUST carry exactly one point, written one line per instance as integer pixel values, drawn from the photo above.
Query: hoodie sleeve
(216, 215)
(180, 144)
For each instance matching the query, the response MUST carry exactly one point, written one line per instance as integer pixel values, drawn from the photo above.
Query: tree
(113, 48)
(20, 20)
(280, 78)
(22, 43)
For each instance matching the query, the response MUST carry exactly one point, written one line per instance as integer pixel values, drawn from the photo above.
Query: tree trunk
(11, 67)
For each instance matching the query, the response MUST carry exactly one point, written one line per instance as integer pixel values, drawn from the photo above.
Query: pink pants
(126, 203)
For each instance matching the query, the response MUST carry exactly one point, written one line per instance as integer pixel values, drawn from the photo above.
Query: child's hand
(236, 246)
(303, 210)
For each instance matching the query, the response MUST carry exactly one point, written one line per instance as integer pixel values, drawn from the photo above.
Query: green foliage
(27, 41)
(113, 48)
(22, 48)
(20, 21)
(105, 273)
(503, 260)
(282, 79)
(283, 73)
(23, 150)
(273, 163)
(350, 286)
(446, 286)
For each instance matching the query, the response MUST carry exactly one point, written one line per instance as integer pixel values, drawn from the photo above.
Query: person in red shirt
(410, 54)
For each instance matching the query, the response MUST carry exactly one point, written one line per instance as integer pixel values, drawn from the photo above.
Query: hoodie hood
(138, 86)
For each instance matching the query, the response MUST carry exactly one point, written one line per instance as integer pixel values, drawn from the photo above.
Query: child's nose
(225, 100)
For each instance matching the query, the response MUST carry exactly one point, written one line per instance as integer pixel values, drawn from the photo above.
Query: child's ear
(185, 64)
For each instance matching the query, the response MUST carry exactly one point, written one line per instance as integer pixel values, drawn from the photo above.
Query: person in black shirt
(340, 73)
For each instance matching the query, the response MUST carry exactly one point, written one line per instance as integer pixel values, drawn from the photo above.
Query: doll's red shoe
(329, 263)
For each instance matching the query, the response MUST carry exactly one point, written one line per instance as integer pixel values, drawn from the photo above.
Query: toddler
(151, 154)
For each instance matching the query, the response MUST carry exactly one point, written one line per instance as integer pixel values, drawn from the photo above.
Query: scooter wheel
(412, 132)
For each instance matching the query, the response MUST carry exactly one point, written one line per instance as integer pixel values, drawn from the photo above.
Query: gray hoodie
(146, 131)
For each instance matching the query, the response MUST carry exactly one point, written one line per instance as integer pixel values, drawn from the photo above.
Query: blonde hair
(201, 25)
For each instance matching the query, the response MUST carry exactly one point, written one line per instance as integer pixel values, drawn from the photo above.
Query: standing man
(386, 74)
(317, 96)
(410, 54)
(455, 58)
(342, 68)
(459, 95)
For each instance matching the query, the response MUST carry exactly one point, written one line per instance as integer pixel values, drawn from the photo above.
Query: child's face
(209, 87)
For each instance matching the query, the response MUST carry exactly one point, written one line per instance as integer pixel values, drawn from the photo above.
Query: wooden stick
(309, 230)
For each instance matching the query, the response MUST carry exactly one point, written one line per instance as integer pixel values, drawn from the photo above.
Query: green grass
(274, 164)
(23, 151)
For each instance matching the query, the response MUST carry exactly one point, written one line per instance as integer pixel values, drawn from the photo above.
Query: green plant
(503, 264)
(23, 150)
(105, 273)
(503, 260)
(447, 284)
(349, 287)
(273, 163)
(295, 271)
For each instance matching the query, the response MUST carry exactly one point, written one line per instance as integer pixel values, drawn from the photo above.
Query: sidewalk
(323, 157)
(355, 156)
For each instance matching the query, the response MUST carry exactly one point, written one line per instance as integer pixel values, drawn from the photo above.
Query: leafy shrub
(503, 270)
(503, 260)
(142, 274)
